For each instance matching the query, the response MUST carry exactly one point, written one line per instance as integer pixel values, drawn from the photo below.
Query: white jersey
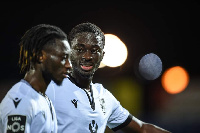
(81, 112)
(24, 110)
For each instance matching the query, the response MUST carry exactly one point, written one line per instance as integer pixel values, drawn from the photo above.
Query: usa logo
(16, 124)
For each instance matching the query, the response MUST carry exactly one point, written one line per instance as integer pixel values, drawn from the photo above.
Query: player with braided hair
(44, 56)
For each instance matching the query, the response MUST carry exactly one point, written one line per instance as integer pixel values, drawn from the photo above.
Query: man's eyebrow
(80, 44)
(96, 46)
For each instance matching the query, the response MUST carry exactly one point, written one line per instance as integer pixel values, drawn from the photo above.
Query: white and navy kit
(24, 110)
(79, 111)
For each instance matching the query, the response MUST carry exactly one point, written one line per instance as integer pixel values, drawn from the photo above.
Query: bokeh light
(102, 65)
(129, 93)
(175, 79)
(150, 66)
(115, 51)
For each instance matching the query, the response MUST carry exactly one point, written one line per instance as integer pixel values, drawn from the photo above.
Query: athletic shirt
(78, 111)
(24, 110)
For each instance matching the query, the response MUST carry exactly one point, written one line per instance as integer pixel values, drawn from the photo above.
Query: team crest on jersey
(93, 127)
(16, 124)
(102, 104)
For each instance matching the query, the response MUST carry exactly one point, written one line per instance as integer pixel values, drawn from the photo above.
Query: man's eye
(65, 57)
(94, 51)
(80, 50)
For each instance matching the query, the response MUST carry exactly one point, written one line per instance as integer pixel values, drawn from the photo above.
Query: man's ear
(102, 55)
(42, 56)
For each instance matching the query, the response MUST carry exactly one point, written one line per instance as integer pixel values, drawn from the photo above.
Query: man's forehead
(66, 44)
(84, 35)
(87, 38)
(67, 48)
(61, 46)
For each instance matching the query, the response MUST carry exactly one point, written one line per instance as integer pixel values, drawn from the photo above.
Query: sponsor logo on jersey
(16, 124)
(74, 101)
(16, 101)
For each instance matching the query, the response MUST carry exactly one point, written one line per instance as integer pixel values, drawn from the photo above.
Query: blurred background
(168, 29)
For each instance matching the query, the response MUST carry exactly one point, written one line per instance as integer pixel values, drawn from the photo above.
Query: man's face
(57, 63)
(87, 54)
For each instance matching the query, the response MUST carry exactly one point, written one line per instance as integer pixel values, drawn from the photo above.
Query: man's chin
(59, 83)
(86, 74)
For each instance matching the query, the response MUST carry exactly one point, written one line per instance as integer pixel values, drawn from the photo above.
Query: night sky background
(168, 29)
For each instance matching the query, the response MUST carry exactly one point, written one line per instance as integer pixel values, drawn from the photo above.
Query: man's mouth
(67, 73)
(86, 68)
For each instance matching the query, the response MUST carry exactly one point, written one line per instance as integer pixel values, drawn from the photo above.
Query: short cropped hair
(87, 27)
(33, 42)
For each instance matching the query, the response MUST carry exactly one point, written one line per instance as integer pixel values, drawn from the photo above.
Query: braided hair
(88, 27)
(33, 42)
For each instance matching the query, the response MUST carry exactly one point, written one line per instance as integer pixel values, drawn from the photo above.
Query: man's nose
(87, 55)
(68, 64)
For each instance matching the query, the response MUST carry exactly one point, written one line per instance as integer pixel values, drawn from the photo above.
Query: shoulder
(23, 90)
(101, 89)
(14, 92)
(21, 99)
(54, 91)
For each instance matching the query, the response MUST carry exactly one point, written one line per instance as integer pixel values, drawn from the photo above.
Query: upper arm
(134, 125)
(119, 116)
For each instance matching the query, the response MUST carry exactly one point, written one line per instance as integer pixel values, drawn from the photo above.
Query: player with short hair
(85, 107)
(44, 56)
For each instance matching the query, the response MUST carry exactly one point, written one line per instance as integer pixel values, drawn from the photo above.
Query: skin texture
(87, 54)
(53, 64)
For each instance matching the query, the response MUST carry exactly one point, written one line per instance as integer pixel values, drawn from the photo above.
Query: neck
(36, 80)
(80, 81)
